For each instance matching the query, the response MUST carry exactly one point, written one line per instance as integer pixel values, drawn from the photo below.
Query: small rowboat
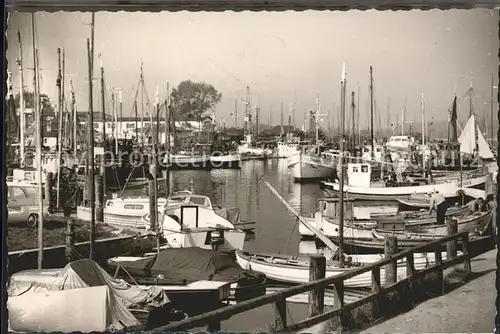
(295, 269)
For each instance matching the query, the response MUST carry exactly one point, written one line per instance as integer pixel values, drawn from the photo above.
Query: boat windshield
(189, 199)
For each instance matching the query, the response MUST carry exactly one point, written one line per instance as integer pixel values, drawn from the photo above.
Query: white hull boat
(306, 167)
(447, 189)
(189, 220)
(295, 270)
(286, 150)
(124, 212)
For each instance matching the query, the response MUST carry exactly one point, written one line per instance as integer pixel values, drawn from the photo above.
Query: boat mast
(316, 116)
(103, 117)
(281, 124)
(357, 119)
(236, 113)
(141, 81)
(341, 164)
(21, 97)
(90, 157)
(371, 112)
(73, 113)
(38, 120)
(353, 110)
(59, 128)
(492, 111)
(167, 139)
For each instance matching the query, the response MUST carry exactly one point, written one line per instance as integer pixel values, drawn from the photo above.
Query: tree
(190, 100)
(47, 107)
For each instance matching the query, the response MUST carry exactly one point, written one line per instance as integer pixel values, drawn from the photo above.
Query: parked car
(22, 206)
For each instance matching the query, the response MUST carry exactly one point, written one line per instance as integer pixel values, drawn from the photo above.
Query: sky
(283, 57)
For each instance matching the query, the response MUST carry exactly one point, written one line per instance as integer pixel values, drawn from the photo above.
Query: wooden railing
(316, 288)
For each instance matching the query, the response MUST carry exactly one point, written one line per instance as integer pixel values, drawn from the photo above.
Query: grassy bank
(54, 234)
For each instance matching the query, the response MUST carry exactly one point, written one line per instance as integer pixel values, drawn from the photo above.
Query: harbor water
(276, 229)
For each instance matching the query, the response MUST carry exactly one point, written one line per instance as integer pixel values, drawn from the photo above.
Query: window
(17, 193)
(133, 207)
(130, 125)
(355, 170)
(364, 169)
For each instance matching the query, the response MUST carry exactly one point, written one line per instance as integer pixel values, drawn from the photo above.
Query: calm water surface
(275, 226)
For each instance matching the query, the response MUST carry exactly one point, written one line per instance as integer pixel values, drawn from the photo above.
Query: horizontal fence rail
(213, 319)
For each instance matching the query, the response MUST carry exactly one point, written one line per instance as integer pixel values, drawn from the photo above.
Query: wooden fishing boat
(295, 269)
(326, 219)
(313, 163)
(226, 161)
(360, 187)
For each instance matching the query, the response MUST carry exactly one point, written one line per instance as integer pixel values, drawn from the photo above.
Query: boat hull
(448, 189)
(305, 168)
(289, 269)
(180, 162)
(229, 161)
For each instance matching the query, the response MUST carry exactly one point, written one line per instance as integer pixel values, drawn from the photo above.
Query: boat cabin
(400, 142)
(359, 174)
(189, 199)
(330, 208)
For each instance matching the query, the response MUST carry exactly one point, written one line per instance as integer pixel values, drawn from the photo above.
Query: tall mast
(281, 120)
(316, 117)
(257, 119)
(103, 108)
(141, 82)
(167, 139)
(423, 119)
(341, 165)
(371, 111)
(64, 113)
(236, 113)
(38, 120)
(492, 135)
(357, 119)
(353, 110)
(103, 117)
(21, 97)
(73, 113)
(90, 53)
(59, 128)
(113, 109)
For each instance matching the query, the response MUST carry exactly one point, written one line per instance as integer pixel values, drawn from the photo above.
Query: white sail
(467, 138)
(484, 148)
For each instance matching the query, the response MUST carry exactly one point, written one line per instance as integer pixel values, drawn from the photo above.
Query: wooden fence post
(48, 190)
(410, 265)
(465, 251)
(317, 270)
(99, 196)
(451, 246)
(390, 248)
(70, 239)
(280, 314)
(376, 287)
(438, 261)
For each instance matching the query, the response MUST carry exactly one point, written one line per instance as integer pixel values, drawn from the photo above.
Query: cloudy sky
(283, 56)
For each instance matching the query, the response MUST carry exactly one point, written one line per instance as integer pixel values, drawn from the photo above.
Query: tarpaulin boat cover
(86, 273)
(186, 265)
(83, 310)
